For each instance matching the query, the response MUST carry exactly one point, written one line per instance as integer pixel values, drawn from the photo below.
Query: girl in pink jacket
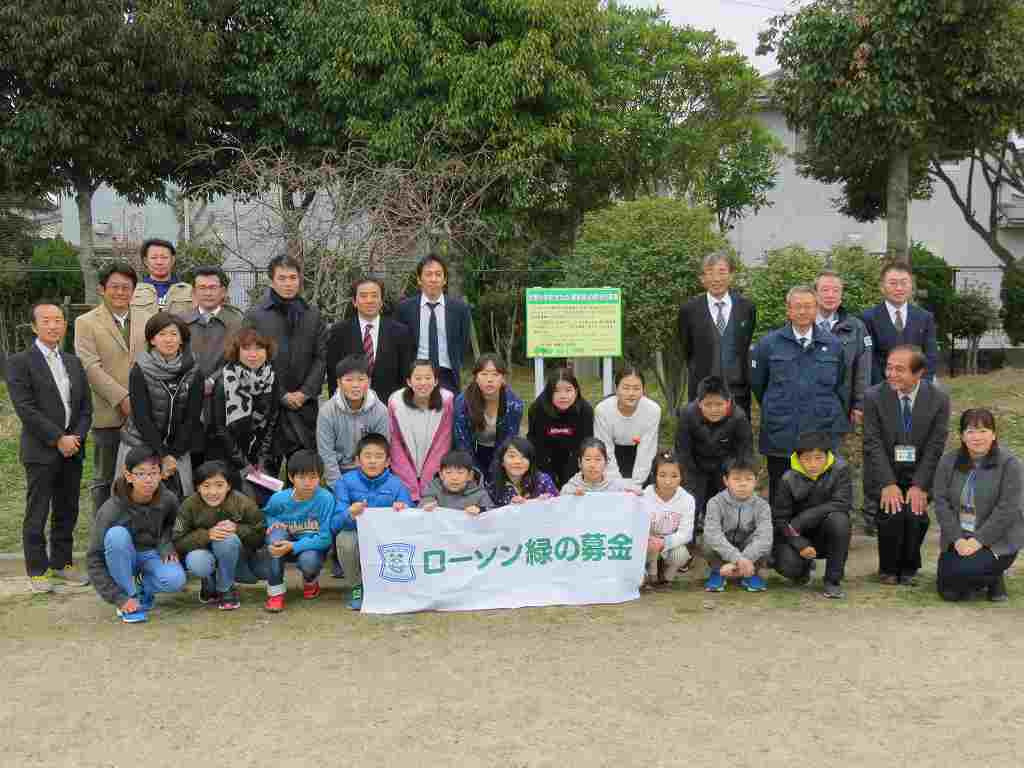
(421, 421)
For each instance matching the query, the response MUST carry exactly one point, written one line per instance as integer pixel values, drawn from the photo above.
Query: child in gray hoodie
(593, 476)
(458, 485)
(352, 413)
(737, 530)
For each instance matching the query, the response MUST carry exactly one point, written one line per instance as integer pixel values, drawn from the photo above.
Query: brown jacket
(107, 360)
(144, 306)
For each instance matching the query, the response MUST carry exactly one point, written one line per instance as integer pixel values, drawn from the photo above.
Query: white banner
(571, 550)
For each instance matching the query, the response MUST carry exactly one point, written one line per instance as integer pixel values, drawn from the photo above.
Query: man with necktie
(715, 331)
(439, 323)
(896, 322)
(51, 396)
(906, 421)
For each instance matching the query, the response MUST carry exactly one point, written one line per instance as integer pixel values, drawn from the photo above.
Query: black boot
(997, 590)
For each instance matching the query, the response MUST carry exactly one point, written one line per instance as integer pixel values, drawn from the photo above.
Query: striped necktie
(368, 344)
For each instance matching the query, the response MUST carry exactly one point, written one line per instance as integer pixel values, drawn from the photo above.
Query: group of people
(194, 407)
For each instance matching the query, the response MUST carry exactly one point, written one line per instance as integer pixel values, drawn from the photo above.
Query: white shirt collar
(912, 394)
(212, 313)
(713, 302)
(831, 319)
(808, 335)
(893, 309)
(424, 300)
(47, 351)
(363, 322)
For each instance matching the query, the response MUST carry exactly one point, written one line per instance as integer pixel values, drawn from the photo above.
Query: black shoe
(870, 530)
(908, 579)
(955, 597)
(833, 591)
(997, 591)
(207, 594)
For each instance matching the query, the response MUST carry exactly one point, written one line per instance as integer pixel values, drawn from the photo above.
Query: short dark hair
(363, 281)
(283, 261)
(813, 441)
(373, 438)
(629, 369)
(741, 464)
(305, 462)
(43, 303)
(209, 469)
(162, 320)
(118, 268)
(917, 358)
(246, 336)
(713, 385)
(593, 442)
(211, 272)
(457, 460)
(547, 396)
(352, 364)
(155, 241)
(896, 266)
(140, 454)
(431, 257)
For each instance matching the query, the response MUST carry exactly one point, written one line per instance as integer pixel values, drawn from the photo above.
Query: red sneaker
(311, 590)
(275, 603)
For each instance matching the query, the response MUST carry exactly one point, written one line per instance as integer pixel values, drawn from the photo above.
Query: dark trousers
(449, 380)
(52, 492)
(777, 466)
(958, 576)
(831, 540)
(899, 540)
(703, 487)
(104, 457)
(743, 401)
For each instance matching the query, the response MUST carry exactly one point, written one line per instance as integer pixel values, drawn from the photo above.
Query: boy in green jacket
(220, 530)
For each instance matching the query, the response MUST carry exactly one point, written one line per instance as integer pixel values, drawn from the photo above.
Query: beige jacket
(145, 305)
(107, 361)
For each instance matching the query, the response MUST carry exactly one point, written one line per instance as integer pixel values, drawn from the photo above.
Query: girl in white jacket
(672, 511)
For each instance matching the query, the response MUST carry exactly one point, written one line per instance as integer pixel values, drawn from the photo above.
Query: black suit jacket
(883, 431)
(918, 329)
(394, 354)
(37, 402)
(457, 319)
(700, 339)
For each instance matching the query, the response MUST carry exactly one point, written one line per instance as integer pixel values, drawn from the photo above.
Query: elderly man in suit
(386, 343)
(107, 342)
(906, 421)
(896, 321)
(715, 331)
(439, 323)
(51, 396)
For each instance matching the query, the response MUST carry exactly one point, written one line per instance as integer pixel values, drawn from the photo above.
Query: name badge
(967, 520)
(906, 454)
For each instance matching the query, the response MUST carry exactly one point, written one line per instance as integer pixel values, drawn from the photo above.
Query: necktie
(907, 420)
(899, 320)
(368, 345)
(720, 319)
(61, 380)
(122, 325)
(433, 345)
(804, 343)
(825, 327)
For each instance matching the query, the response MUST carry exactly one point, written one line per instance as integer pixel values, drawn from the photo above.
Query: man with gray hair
(797, 374)
(715, 331)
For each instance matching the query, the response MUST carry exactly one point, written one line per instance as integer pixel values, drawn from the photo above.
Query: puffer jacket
(161, 419)
(803, 502)
(196, 518)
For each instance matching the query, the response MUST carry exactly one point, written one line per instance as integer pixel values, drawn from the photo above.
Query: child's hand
(518, 500)
(356, 508)
(281, 548)
(808, 553)
(473, 510)
(655, 544)
(282, 526)
(745, 567)
(399, 506)
(579, 492)
(728, 570)
(429, 506)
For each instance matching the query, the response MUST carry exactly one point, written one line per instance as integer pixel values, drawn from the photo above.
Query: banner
(570, 550)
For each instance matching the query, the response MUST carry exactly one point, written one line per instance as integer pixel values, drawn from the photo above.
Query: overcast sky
(736, 20)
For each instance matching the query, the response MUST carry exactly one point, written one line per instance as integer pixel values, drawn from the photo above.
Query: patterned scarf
(241, 386)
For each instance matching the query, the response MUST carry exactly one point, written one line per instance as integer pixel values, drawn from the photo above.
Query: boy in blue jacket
(371, 485)
(298, 528)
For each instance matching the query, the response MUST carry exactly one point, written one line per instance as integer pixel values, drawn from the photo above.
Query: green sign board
(573, 322)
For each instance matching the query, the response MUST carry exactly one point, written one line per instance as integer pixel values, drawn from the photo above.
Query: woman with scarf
(166, 400)
(246, 404)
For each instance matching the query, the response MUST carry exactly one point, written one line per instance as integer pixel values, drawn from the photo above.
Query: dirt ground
(889, 677)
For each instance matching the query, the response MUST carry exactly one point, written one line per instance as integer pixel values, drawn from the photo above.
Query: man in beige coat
(160, 290)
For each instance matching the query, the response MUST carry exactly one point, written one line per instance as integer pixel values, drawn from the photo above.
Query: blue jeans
(309, 562)
(230, 561)
(124, 562)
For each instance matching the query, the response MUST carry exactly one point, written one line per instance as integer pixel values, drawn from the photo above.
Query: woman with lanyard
(979, 503)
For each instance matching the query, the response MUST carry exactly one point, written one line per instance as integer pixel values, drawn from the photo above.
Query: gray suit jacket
(883, 431)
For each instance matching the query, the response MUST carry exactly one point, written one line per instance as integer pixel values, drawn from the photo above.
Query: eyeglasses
(146, 475)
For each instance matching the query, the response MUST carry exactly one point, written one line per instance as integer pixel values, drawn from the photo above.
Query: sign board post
(573, 322)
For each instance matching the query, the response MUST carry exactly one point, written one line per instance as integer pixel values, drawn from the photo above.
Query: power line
(749, 4)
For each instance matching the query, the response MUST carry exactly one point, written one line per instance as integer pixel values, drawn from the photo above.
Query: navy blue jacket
(800, 390)
(457, 320)
(918, 329)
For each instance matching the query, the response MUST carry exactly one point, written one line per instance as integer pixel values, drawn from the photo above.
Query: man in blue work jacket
(797, 374)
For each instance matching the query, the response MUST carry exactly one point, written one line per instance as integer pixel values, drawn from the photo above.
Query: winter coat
(802, 503)
(703, 446)
(380, 491)
(510, 416)
(736, 529)
(240, 443)
(557, 438)
(196, 518)
(400, 421)
(339, 428)
(473, 494)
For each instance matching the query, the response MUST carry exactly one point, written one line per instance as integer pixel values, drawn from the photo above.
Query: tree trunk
(669, 380)
(897, 243)
(83, 197)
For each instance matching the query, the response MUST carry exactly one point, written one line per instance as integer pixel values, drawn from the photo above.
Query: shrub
(933, 283)
(972, 314)
(1012, 295)
(766, 285)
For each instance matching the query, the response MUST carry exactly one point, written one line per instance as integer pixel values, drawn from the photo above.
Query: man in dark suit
(387, 344)
(715, 330)
(896, 322)
(439, 323)
(906, 421)
(52, 398)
